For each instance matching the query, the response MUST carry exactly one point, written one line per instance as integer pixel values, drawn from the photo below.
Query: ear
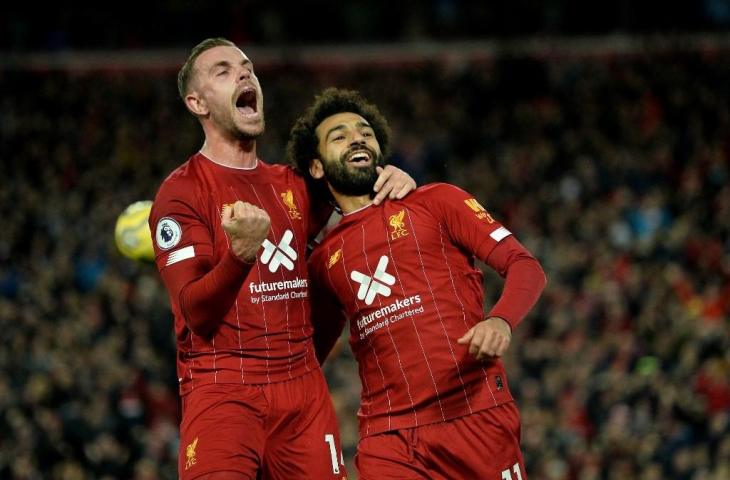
(315, 168)
(196, 104)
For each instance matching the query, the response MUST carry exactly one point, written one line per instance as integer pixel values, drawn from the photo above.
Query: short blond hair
(186, 71)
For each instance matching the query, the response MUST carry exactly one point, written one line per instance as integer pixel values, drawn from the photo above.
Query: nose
(244, 74)
(357, 138)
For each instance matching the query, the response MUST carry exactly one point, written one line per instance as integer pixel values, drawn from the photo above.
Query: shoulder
(323, 250)
(436, 193)
(179, 193)
(286, 177)
(439, 190)
(281, 172)
(315, 261)
(181, 182)
(439, 199)
(319, 250)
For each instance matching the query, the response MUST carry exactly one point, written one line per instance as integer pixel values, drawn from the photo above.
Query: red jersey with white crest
(404, 274)
(265, 336)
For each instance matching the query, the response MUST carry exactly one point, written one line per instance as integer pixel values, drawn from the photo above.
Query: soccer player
(435, 399)
(230, 235)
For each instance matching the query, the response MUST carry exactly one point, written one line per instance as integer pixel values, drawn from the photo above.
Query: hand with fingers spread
(392, 183)
(247, 226)
(489, 338)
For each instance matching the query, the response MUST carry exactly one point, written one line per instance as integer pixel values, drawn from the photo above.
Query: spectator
(614, 173)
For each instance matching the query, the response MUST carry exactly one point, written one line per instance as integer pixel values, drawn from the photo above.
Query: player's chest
(285, 206)
(381, 253)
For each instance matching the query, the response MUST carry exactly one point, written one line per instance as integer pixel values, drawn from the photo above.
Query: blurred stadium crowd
(615, 172)
(135, 23)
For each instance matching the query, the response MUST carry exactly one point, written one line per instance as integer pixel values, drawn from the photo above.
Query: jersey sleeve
(468, 223)
(178, 225)
(328, 317)
(524, 281)
(473, 228)
(199, 289)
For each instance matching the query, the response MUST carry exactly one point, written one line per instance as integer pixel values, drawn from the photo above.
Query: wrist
(244, 251)
(500, 321)
(242, 258)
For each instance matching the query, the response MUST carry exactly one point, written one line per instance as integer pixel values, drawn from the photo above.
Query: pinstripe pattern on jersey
(390, 334)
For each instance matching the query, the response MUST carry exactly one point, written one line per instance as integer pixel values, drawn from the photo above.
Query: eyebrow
(342, 127)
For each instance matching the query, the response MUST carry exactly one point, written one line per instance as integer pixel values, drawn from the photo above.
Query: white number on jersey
(507, 475)
(330, 440)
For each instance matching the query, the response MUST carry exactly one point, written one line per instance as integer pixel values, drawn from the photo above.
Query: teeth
(359, 156)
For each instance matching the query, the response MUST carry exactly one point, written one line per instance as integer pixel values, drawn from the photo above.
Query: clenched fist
(247, 226)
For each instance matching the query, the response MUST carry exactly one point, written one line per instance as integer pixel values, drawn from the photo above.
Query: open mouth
(246, 101)
(359, 158)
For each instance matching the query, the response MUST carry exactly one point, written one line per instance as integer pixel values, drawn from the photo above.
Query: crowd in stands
(136, 24)
(614, 171)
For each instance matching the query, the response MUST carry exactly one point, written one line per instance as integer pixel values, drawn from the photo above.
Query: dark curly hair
(303, 143)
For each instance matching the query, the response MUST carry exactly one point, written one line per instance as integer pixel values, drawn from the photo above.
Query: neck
(348, 203)
(227, 151)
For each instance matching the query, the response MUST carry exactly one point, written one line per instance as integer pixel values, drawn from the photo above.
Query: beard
(250, 133)
(353, 181)
(228, 123)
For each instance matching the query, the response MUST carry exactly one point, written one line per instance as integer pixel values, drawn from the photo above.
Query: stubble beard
(253, 134)
(234, 130)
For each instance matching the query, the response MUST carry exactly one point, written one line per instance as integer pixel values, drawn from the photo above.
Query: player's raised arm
(246, 226)
(202, 291)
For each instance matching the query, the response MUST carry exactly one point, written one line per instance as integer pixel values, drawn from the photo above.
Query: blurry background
(599, 132)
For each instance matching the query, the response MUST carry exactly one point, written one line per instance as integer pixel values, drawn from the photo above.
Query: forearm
(524, 282)
(206, 300)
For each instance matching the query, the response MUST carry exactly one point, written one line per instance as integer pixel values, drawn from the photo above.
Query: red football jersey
(404, 273)
(265, 336)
